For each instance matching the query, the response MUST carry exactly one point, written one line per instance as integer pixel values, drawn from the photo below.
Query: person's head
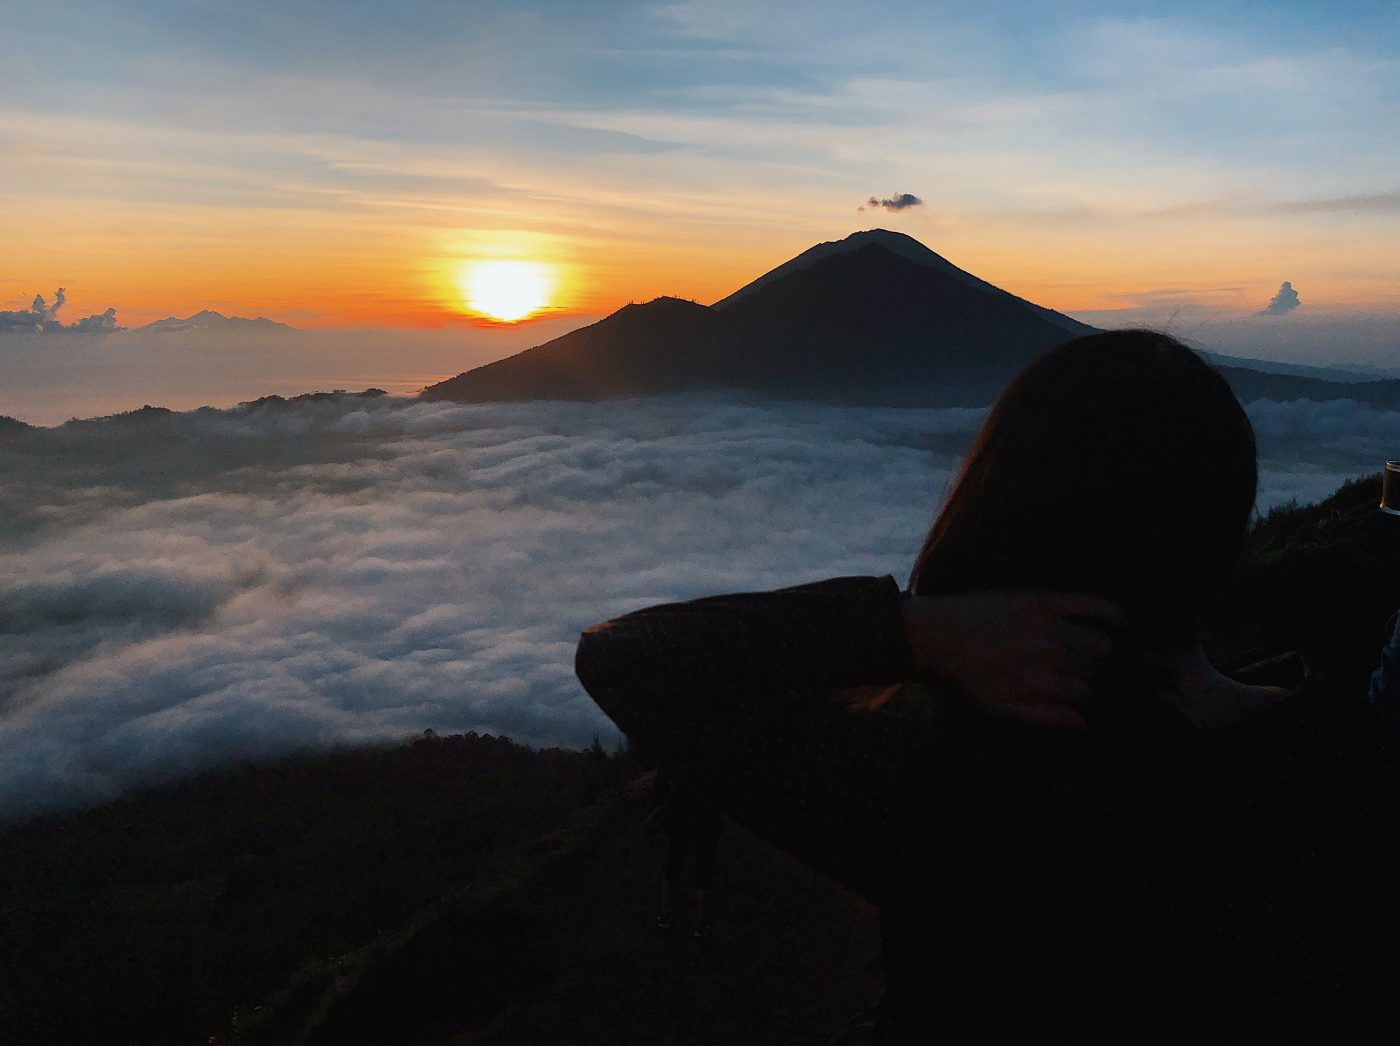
(1119, 464)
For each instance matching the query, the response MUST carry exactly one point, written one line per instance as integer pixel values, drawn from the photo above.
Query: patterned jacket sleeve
(746, 692)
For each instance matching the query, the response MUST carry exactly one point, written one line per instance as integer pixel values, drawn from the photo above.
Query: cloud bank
(182, 590)
(42, 318)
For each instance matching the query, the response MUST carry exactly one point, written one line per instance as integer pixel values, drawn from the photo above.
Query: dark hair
(1119, 464)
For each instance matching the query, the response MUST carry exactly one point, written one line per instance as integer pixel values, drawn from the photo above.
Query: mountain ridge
(208, 319)
(875, 319)
(863, 324)
(903, 246)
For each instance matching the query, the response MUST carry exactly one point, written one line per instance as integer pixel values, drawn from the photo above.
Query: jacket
(1138, 878)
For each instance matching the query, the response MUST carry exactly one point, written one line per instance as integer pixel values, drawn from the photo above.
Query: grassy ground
(458, 889)
(574, 956)
(172, 917)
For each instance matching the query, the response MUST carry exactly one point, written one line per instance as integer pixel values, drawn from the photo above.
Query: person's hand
(1026, 656)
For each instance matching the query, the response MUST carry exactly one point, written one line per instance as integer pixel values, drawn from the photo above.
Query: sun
(506, 290)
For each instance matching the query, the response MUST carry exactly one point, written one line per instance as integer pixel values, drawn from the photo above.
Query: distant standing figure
(684, 815)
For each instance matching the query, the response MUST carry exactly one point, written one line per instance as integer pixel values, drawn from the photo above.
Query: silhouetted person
(691, 826)
(1196, 855)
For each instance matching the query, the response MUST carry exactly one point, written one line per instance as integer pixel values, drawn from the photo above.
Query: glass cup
(1390, 488)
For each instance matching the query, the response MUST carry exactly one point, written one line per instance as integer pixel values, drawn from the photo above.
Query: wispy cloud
(1357, 203)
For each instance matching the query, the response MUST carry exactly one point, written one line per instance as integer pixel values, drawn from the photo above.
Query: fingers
(1048, 687)
(1056, 717)
(1081, 640)
(1047, 716)
(1052, 701)
(1074, 690)
(1084, 607)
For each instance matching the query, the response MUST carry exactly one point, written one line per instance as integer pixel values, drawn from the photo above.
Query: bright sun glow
(506, 290)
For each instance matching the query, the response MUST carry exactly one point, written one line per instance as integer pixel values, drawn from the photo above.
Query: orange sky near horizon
(302, 269)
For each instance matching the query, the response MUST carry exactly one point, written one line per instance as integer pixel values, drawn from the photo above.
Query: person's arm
(744, 690)
(691, 679)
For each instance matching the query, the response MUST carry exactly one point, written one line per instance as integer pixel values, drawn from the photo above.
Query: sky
(340, 164)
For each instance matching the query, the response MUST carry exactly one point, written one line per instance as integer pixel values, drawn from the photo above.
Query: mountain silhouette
(208, 319)
(876, 318)
(13, 427)
(661, 346)
(905, 247)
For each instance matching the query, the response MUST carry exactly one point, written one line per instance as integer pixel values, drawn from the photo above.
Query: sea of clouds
(183, 590)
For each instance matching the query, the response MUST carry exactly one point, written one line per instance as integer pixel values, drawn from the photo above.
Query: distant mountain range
(876, 318)
(209, 320)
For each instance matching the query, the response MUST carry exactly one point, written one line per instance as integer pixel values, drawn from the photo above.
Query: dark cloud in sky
(60, 298)
(42, 318)
(1282, 303)
(897, 202)
(35, 319)
(180, 590)
(97, 323)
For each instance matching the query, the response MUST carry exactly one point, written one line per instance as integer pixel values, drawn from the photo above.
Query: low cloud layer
(185, 589)
(42, 318)
(1282, 303)
(897, 202)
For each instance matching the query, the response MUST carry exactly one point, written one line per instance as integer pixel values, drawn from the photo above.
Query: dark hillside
(1320, 579)
(1250, 384)
(173, 916)
(13, 427)
(573, 956)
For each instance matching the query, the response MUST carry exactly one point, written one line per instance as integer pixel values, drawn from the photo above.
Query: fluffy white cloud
(187, 589)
